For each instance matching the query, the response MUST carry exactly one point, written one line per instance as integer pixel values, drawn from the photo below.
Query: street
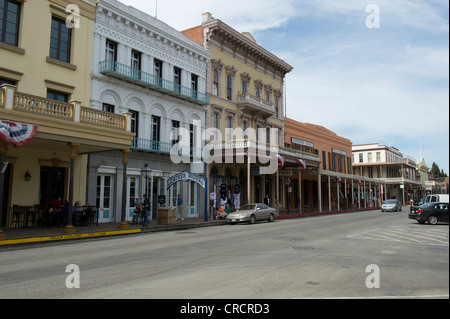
(355, 255)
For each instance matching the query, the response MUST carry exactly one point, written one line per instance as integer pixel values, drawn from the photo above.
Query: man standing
(146, 209)
(180, 207)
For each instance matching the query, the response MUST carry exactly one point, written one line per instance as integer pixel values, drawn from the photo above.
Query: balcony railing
(128, 73)
(73, 112)
(255, 104)
(146, 145)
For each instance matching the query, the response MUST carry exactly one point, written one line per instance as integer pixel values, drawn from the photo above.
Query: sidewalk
(47, 234)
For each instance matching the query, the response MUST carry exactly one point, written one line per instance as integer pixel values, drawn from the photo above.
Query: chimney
(206, 17)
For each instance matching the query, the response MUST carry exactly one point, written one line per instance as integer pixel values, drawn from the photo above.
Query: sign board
(161, 199)
(186, 176)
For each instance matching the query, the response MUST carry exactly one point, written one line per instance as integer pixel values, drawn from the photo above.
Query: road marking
(406, 235)
(67, 237)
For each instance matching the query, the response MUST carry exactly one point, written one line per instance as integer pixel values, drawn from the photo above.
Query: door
(52, 182)
(105, 198)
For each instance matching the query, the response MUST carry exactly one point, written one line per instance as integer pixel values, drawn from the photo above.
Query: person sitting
(227, 209)
(221, 212)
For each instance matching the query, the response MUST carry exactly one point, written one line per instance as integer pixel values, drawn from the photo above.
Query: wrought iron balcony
(165, 148)
(130, 74)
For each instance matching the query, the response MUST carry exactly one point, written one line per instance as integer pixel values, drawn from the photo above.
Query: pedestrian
(180, 207)
(146, 207)
(267, 200)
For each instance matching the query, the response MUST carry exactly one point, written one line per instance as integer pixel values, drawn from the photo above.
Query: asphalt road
(337, 256)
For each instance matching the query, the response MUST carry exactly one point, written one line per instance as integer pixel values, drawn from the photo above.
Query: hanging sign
(186, 176)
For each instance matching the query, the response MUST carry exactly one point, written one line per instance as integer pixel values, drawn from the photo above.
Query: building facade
(45, 73)
(388, 164)
(143, 67)
(246, 86)
(328, 183)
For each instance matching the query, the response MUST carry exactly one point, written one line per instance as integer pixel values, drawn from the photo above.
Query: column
(69, 229)
(329, 193)
(319, 177)
(123, 224)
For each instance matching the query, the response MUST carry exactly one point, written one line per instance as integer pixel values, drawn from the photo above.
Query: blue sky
(386, 85)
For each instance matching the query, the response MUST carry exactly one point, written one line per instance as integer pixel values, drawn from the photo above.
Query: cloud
(244, 16)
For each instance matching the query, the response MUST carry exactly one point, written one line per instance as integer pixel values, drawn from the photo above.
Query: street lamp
(287, 182)
(145, 171)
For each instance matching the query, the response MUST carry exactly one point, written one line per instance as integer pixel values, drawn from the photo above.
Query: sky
(373, 71)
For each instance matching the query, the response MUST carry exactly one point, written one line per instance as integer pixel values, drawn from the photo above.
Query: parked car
(251, 213)
(391, 205)
(419, 202)
(432, 213)
(437, 198)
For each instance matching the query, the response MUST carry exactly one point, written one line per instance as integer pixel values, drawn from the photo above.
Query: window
(6, 81)
(9, 22)
(215, 123)
(369, 157)
(378, 156)
(324, 159)
(229, 128)
(244, 87)
(258, 93)
(108, 108)
(58, 96)
(156, 128)
(277, 107)
(361, 157)
(177, 79)
(194, 85)
(136, 64)
(111, 51)
(134, 122)
(215, 82)
(175, 132)
(60, 40)
(157, 72)
(229, 88)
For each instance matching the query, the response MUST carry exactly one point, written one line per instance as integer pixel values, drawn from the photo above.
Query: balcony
(66, 122)
(164, 148)
(255, 105)
(127, 73)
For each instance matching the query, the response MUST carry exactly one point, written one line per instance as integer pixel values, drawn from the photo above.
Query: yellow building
(45, 77)
(246, 84)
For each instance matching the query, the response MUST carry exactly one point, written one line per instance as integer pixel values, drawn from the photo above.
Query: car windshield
(390, 201)
(247, 207)
(427, 205)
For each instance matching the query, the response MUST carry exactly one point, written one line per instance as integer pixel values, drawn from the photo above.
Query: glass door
(105, 198)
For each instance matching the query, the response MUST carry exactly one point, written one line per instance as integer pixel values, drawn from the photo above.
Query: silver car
(391, 205)
(251, 213)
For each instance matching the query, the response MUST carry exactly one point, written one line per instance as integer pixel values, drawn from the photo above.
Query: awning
(18, 134)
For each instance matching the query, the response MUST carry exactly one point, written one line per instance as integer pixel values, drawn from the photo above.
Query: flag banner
(18, 134)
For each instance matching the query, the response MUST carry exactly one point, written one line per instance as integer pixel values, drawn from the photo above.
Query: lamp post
(145, 171)
(287, 182)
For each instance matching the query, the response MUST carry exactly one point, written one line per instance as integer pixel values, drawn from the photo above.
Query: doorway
(104, 200)
(52, 184)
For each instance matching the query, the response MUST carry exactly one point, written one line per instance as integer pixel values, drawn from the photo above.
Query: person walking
(146, 207)
(180, 207)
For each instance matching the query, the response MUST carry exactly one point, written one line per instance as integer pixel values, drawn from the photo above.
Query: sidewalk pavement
(48, 234)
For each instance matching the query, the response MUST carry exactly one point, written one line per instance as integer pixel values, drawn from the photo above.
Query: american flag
(18, 134)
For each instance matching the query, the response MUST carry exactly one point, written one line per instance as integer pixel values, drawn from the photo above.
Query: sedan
(391, 205)
(432, 213)
(251, 213)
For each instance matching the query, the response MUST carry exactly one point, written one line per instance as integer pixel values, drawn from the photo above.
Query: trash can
(167, 216)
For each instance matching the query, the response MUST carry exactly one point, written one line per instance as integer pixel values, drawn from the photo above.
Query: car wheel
(432, 220)
(252, 219)
(271, 218)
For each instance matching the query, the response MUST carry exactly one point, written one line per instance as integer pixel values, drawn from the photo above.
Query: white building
(389, 165)
(144, 67)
